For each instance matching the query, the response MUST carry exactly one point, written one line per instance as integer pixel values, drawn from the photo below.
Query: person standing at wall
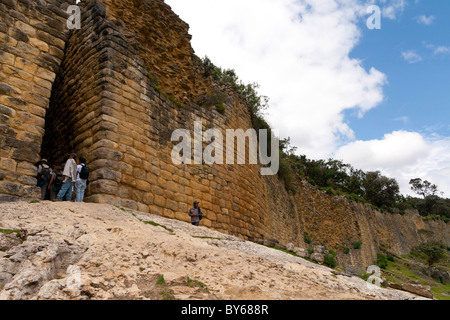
(70, 176)
(81, 182)
(56, 181)
(196, 214)
(44, 175)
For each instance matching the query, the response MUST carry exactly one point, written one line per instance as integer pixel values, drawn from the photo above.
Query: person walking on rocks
(81, 182)
(196, 214)
(69, 176)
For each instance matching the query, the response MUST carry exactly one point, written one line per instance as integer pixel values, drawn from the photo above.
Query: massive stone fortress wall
(32, 41)
(112, 92)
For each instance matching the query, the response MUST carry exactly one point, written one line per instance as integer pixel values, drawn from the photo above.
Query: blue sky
(377, 99)
(417, 96)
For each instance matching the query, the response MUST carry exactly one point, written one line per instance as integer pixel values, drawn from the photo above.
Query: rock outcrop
(115, 90)
(95, 251)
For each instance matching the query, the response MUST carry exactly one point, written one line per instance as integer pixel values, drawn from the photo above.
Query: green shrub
(346, 249)
(390, 258)
(382, 261)
(357, 245)
(330, 261)
(310, 250)
(307, 239)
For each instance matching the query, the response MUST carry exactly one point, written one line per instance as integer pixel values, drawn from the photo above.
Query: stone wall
(32, 41)
(114, 91)
(337, 222)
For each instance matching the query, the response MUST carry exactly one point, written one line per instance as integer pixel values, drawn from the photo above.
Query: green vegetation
(158, 225)
(345, 249)
(357, 245)
(192, 283)
(329, 259)
(206, 237)
(412, 268)
(433, 252)
(35, 201)
(160, 281)
(165, 292)
(307, 239)
(158, 89)
(382, 261)
(283, 250)
(7, 231)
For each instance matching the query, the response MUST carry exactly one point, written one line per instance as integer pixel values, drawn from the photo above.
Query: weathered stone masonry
(32, 41)
(92, 91)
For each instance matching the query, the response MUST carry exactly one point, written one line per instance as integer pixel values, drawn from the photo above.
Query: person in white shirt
(70, 176)
(80, 184)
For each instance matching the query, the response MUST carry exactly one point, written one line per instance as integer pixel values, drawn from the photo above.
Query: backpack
(58, 180)
(84, 172)
(45, 174)
(200, 214)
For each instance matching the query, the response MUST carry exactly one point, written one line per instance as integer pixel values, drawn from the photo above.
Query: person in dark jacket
(196, 214)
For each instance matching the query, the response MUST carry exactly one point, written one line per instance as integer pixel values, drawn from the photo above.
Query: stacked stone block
(32, 42)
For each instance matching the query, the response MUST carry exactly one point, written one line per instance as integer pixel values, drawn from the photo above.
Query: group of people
(58, 184)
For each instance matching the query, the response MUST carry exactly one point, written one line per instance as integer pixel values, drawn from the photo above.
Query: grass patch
(283, 250)
(160, 281)
(206, 237)
(405, 270)
(7, 231)
(157, 225)
(192, 283)
(35, 201)
(166, 295)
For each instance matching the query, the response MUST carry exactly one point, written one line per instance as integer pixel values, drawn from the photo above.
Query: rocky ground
(92, 251)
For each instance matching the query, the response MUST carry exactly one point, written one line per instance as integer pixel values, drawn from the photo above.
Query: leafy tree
(434, 252)
(423, 188)
(380, 190)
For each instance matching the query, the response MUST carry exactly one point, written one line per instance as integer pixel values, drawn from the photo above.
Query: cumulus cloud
(391, 8)
(426, 20)
(299, 52)
(411, 56)
(441, 50)
(403, 155)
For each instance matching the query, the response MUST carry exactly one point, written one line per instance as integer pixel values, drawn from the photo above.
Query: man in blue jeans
(69, 176)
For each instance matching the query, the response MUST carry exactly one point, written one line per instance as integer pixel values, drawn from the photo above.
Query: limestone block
(103, 186)
(10, 188)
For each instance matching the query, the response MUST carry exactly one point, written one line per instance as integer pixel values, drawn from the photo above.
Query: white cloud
(402, 155)
(441, 50)
(426, 20)
(298, 50)
(391, 8)
(411, 56)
